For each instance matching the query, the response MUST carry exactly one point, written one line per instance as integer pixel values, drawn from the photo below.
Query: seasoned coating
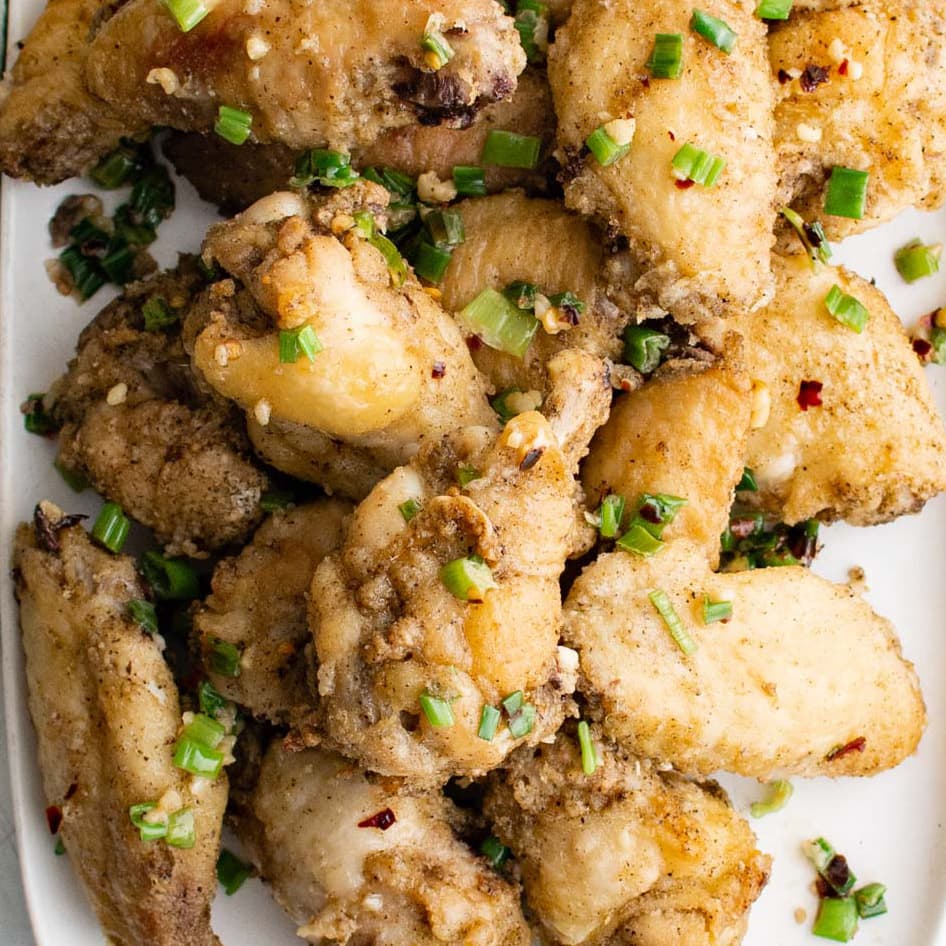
(393, 370)
(387, 628)
(510, 238)
(106, 713)
(881, 106)
(702, 248)
(743, 701)
(875, 447)
(628, 856)
(51, 126)
(412, 882)
(138, 425)
(683, 433)
(334, 73)
(258, 603)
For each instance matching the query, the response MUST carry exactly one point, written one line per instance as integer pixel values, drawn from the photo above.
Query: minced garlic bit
(839, 54)
(256, 47)
(226, 351)
(836, 50)
(342, 223)
(432, 190)
(761, 405)
(117, 394)
(621, 130)
(518, 402)
(373, 902)
(553, 319)
(809, 133)
(567, 658)
(166, 78)
(262, 411)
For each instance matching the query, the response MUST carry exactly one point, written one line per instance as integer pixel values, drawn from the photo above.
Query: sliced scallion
(774, 9)
(430, 262)
(437, 51)
(605, 149)
(211, 702)
(467, 578)
(274, 500)
(640, 541)
(233, 124)
(298, 341)
(157, 314)
(188, 13)
(779, 792)
(469, 181)
(328, 168)
(513, 703)
(846, 309)
(716, 31)
(507, 149)
(644, 347)
(714, 611)
(86, 274)
(846, 193)
(182, 832)
(522, 721)
(870, 901)
(489, 721)
(171, 579)
(197, 759)
(223, 658)
(409, 508)
(147, 830)
(439, 712)
(660, 601)
(231, 872)
(118, 167)
(836, 919)
(812, 236)
(611, 515)
(916, 260)
(748, 482)
(499, 323)
(589, 757)
(111, 527)
(143, 614)
(466, 474)
(666, 60)
(495, 852)
(693, 164)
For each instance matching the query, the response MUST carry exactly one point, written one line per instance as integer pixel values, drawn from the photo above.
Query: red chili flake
(809, 394)
(742, 528)
(650, 513)
(474, 342)
(855, 745)
(812, 77)
(842, 69)
(837, 873)
(645, 81)
(73, 788)
(783, 77)
(684, 185)
(531, 458)
(54, 818)
(439, 370)
(922, 347)
(673, 137)
(824, 890)
(382, 820)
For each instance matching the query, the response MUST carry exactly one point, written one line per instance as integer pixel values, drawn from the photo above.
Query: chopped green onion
(671, 619)
(499, 323)
(409, 508)
(819, 852)
(233, 124)
(501, 407)
(209, 699)
(521, 294)
(147, 830)
(605, 149)
(666, 60)
(870, 901)
(836, 920)
(171, 579)
(298, 341)
(188, 13)
(399, 184)
(938, 341)
(827, 861)
(532, 22)
(589, 757)
(197, 759)
(467, 578)
(75, 481)
(143, 613)
(639, 540)
(157, 314)
(397, 268)
(118, 167)
(276, 499)
(714, 611)
(130, 228)
(437, 51)
(223, 658)
(152, 198)
(916, 261)
(86, 274)
(569, 302)
(774, 9)
(445, 227)
(693, 164)
(711, 28)
(779, 792)
(328, 168)
(521, 723)
(846, 309)
(118, 265)
(495, 852)
(430, 262)
(111, 527)
(35, 418)
(748, 482)
(181, 831)
(509, 150)
(469, 181)
(812, 236)
(466, 474)
(513, 703)
(205, 730)
(439, 712)
(231, 872)
(489, 721)
(611, 516)
(655, 511)
(60, 849)
(846, 193)
(644, 347)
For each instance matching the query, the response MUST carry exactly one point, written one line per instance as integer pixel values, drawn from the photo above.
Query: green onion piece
(693, 164)
(605, 149)
(157, 314)
(657, 510)
(439, 712)
(533, 25)
(779, 792)
(846, 309)
(666, 60)
(644, 347)
(399, 184)
(35, 418)
(298, 341)
(209, 699)
(60, 848)
(513, 703)
(678, 632)
(445, 227)
(118, 265)
(129, 231)
(152, 198)
(466, 474)
(233, 124)
(431, 262)
(489, 721)
(437, 51)
(870, 901)
(467, 578)
(589, 758)
(223, 658)
(143, 613)
(521, 294)
(521, 723)
(711, 28)
(499, 323)
(495, 852)
(194, 757)
(231, 872)
(504, 410)
(205, 730)
(117, 167)
(147, 830)
(509, 150)
(276, 499)
(812, 236)
(469, 181)
(846, 193)
(188, 13)
(409, 508)
(86, 274)
(748, 482)
(639, 540)
(328, 168)
(111, 527)
(774, 9)
(714, 611)
(916, 261)
(938, 341)
(397, 268)
(171, 579)
(75, 481)
(836, 920)
(181, 831)
(568, 301)
(611, 516)
(822, 854)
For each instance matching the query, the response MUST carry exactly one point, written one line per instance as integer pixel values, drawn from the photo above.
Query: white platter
(891, 827)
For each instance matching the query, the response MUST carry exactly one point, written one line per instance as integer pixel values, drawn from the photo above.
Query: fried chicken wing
(704, 248)
(258, 603)
(106, 713)
(862, 87)
(357, 860)
(335, 74)
(627, 856)
(139, 425)
(392, 370)
(804, 678)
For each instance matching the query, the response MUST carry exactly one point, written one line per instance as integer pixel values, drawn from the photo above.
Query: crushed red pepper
(381, 820)
(855, 745)
(809, 394)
